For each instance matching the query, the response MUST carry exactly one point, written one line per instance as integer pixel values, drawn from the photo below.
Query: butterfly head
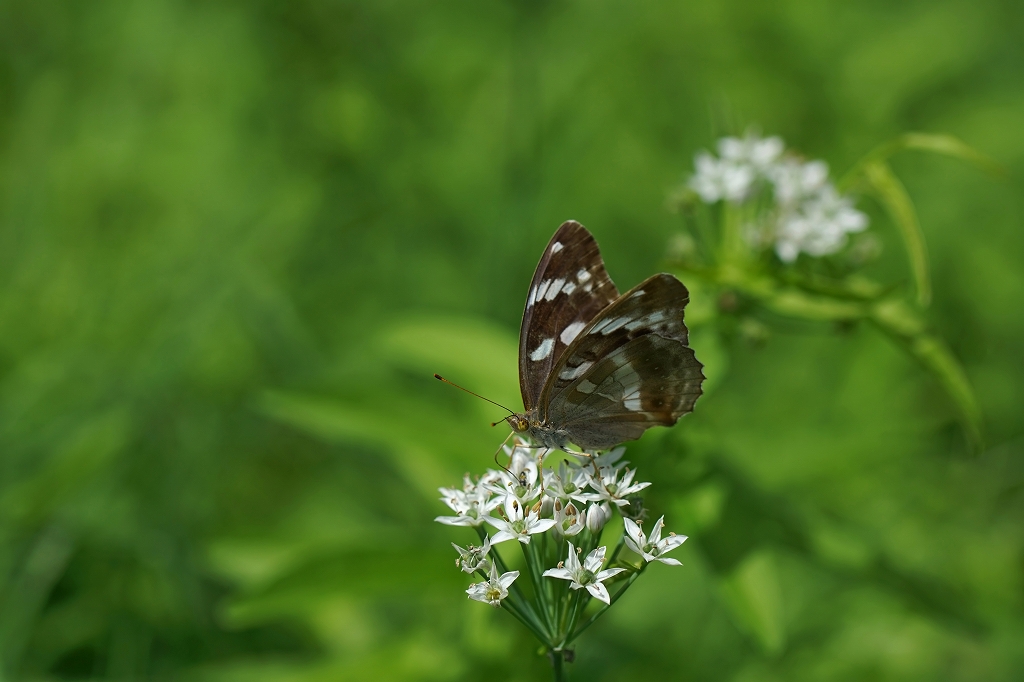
(518, 422)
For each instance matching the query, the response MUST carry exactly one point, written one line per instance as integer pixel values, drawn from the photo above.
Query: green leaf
(893, 196)
(937, 357)
(947, 145)
(795, 303)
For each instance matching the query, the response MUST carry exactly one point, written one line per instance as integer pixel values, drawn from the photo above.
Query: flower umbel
(809, 215)
(558, 513)
(588, 575)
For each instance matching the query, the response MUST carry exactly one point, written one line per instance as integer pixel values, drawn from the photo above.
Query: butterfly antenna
(452, 383)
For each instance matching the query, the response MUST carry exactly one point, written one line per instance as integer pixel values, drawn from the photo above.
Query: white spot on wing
(570, 332)
(582, 276)
(571, 373)
(556, 247)
(637, 294)
(585, 387)
(543, 350)
(533, 297)
(647, 320)
(553, 290)
(569, 288)
(613, 324)
(542, 288)
(632, 404)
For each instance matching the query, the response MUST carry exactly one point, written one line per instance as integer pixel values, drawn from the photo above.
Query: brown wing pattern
(569, 288)
(628, 370)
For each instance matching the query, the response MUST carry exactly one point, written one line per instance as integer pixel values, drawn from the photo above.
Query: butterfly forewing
(569, 288)
(629, 369)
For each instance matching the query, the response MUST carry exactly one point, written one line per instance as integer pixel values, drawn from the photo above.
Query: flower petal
(572, 562)
(655, 536)
(608, 573)
(600, 592)
(562, 573)
(541, 526)
(500, 524)
(457, 520)
(507, 579)
(502, 536)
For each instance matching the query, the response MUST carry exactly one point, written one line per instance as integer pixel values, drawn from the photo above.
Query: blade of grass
(894, 198)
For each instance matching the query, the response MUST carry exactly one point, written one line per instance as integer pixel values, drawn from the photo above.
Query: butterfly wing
(569, 288)
(629, 369)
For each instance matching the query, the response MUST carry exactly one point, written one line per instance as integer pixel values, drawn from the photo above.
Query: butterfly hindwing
(629, 369)
(569, 288)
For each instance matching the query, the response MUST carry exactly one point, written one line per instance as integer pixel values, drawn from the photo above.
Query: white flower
(568, 520)
(612, 459)
(652, 549)
(472, 504)
(733, 176)
(589, 575)
(473, 558)
(610, 488)
(518, 525)
(818, 226)
(793, 180)
(568, 483)
(524, 482)
(720, 179)
(495, 589)
(752, 150)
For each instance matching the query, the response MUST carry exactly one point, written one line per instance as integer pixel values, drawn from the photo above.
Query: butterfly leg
(509, 471)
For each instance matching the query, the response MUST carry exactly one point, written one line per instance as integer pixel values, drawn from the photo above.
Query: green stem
(520, 608)
(597, 614)
(525, 610)
(618, 548)
(542, 603)
(577, 600)
(733, 246)
(557, 664)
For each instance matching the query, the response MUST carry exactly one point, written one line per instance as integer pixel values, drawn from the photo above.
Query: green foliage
(237, 238)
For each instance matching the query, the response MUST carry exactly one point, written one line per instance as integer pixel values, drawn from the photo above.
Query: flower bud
(595, 518)
(547, 506)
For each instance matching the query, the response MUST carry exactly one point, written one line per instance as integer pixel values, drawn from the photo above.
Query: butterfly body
(597, 368)
(543, 434)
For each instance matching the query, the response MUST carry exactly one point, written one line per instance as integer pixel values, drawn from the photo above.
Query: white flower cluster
(809, 215)
(572, 502)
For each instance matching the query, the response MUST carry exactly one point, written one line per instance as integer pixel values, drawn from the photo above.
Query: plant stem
(597, 614)
(578, 604)
(542, 603)
(557, 667)
(521, 603)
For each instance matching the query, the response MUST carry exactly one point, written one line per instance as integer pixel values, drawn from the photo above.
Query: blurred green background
(237, 237)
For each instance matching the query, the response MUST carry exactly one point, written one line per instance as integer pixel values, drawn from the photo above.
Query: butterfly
(597, 368)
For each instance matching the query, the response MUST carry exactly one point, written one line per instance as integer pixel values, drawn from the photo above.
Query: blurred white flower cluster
(808, 214)
(558, 515)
